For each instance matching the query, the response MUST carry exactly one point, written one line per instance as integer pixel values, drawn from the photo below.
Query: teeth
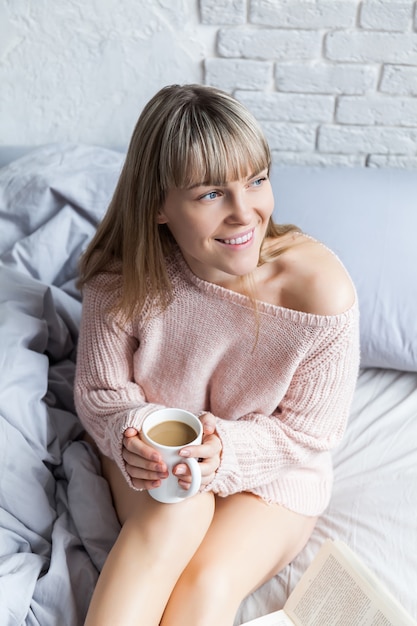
(239, 240)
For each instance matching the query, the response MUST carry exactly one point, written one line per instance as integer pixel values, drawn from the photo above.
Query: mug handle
(195, 478)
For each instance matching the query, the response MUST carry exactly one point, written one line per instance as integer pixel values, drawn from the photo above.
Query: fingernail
(184, 453)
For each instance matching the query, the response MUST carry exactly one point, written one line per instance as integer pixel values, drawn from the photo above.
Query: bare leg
(247, 543)
(154, 546)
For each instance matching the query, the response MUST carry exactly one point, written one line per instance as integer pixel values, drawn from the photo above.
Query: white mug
(168, 431)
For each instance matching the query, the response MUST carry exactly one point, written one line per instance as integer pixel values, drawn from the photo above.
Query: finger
(139, 447)
(210, 448)
(144, 474)
(140, 462)
(140, 473)
(208, 472)
(207, 467)
(209, 454)
(145, 485)
(130, 432)
(185, 482)
(209, 423)
(182, 471)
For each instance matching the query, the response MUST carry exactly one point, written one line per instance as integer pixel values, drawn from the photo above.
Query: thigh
(155, 544)
(129, 503)
(159, 523)
(250, 541)
(125, 499)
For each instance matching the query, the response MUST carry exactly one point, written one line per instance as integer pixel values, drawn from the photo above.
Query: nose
(238, 208)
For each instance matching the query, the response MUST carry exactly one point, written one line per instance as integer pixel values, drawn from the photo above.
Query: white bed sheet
(374, 502)
(56, 518)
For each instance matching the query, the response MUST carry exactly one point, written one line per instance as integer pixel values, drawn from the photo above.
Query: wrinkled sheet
(57, 522)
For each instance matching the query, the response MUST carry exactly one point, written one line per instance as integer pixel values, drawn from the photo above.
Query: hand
(143, 464)
(209, 452)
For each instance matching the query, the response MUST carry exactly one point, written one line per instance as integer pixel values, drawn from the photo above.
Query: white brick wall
(333, 82)
(400, 80)
(268, 43)
(385, 15)
(81, 70)
(307, 14)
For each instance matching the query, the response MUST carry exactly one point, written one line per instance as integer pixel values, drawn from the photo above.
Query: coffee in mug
(172, 433)
(168, 431)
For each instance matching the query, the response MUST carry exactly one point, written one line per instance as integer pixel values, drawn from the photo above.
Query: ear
(161, 217)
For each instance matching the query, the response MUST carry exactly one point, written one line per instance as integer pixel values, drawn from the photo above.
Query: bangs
(210, 149)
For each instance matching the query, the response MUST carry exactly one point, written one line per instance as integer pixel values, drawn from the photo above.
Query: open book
(338, 589)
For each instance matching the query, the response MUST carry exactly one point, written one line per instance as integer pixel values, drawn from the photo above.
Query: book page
(333, 591)
(277, 618)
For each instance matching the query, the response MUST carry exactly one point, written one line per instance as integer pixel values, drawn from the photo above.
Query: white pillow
(368, 217)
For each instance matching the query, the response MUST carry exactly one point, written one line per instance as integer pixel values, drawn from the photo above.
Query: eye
(258, 182)
(211, 195)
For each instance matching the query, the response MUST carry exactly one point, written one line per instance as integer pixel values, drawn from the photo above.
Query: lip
(235, 241)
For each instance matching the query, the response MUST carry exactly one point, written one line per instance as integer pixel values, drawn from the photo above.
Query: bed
(57, 522)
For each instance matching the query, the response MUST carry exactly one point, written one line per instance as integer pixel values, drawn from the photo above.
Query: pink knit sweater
(281, 402)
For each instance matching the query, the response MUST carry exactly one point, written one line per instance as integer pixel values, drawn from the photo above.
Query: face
(220, 228)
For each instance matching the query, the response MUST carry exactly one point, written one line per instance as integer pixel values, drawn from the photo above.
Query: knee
(209, 580)
(210, 586)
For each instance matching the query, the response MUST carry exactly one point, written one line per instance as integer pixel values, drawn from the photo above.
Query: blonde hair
(185, 134)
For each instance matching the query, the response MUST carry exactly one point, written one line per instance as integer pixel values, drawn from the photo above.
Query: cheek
(184, 230)
(203, 225)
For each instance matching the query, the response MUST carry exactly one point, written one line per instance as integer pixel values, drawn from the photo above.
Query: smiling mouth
(236, 241)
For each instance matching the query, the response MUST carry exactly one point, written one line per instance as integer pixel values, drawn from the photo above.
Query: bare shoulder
(313, 279)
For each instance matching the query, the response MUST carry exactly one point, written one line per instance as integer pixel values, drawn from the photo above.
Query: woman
(194, 298)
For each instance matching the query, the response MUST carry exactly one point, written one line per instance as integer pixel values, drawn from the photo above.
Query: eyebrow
(221, 183)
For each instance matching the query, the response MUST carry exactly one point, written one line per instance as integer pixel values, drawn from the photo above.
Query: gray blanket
(56, 518)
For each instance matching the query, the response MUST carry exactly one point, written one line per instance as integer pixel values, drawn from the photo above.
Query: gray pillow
(368, 217)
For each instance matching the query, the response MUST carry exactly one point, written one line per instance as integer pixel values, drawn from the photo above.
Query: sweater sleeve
(309, 421)
(107, 399)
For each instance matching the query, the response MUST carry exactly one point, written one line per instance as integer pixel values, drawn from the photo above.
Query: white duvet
(56, 518)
